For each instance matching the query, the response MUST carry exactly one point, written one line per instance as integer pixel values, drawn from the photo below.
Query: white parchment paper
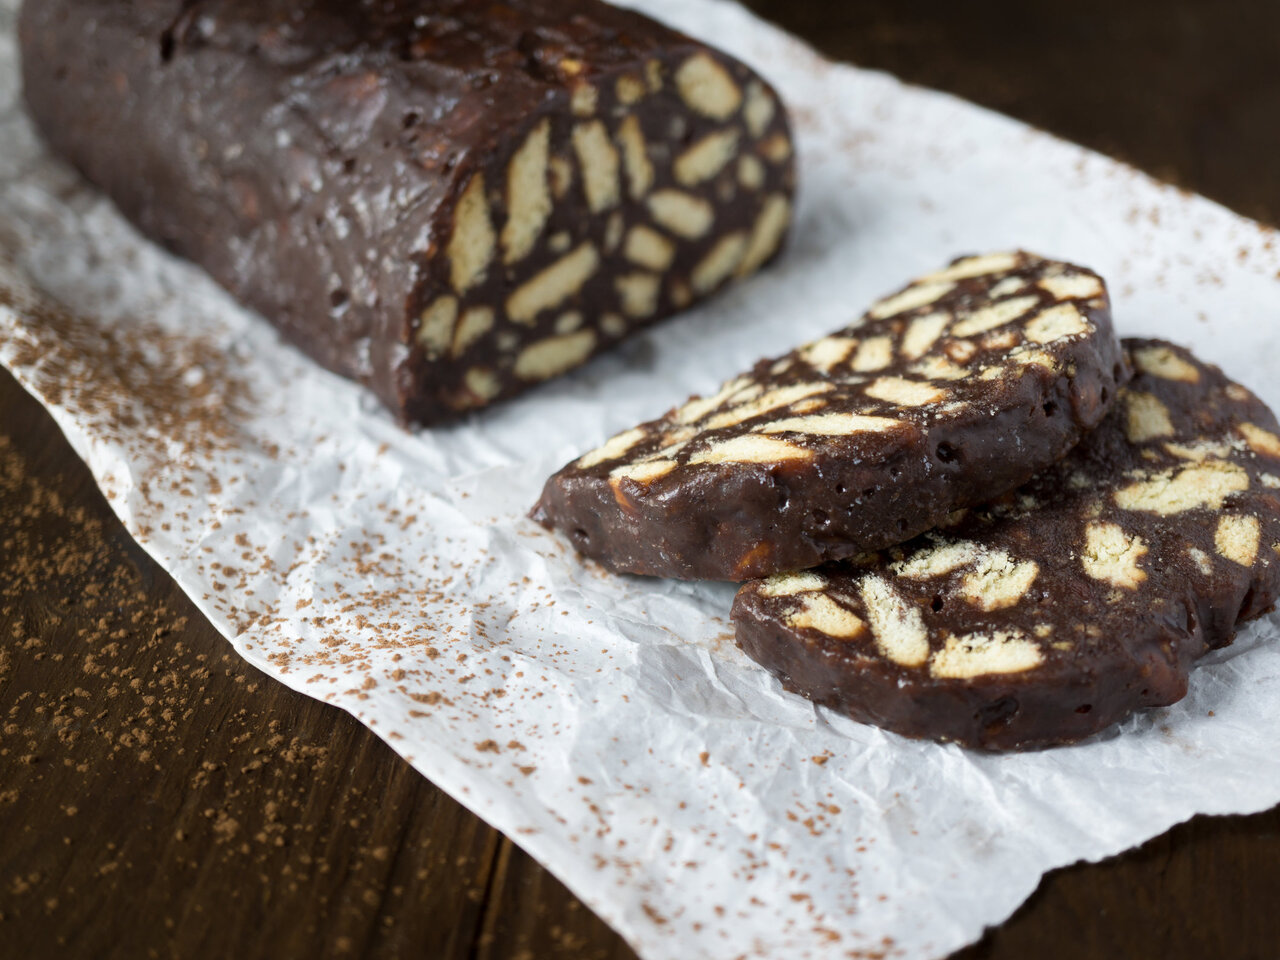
(609, 724)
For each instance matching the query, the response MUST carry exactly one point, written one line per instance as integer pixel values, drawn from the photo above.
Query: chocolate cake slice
(949, 392)
(1055, 611)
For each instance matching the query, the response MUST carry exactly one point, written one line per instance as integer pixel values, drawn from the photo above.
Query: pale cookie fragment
(553, 285)
(788, 584)
(874, 353)
(1037, 358)
(1259, 439)
(939, 368)
(917, 295)
(967, 267)
(560, 241)
(822, 614)
(776, 148)
(435, 326)
(1165, 362)
(584, 100)
(1203, 450)
(997, 580)
(568, 322)
(905, 393)
(1206, 484)
(1073, 287)
(613, 325)
(561, 172)
(808, 406)
(694, 410)
(483, 383)
(766, 235)
(759, 110)
(751, 449)
(472, 242)
(1147, 417)
(653, 75)
(751, 172)
(923, 333)
(706, 86)
(856, 440)
(1237, 538)
(473, 325)
(1203, 562)
(832, 425)
(648, 248)
(635, 158)
(1064, 320)
(638, 293)
(613, 448)
(984, 654)
(630, 89)
(963, 351)
(763, 403)
(613, 232)
(1112, 555)
(528, 194)
(898, 626)
(683, 214)
(1009, 286)
(996, 315)
(1053, 612)
(720, 263)
(828, 352)
(937, 560)
(553, 356)
(599, 163)
(645, 472)
(706, 158)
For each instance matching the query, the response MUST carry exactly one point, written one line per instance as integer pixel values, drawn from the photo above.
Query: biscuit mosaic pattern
(958, 387)
(447, 201)
(1068, 604)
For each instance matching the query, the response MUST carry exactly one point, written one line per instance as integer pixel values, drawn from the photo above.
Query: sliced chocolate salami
(953, 390)
(445, 200)
(1061, 608)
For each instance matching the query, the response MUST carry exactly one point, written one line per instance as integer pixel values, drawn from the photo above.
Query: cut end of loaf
(639, 192)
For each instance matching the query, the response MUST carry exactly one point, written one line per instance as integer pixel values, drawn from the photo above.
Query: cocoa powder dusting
(143, 762)
(132, 380)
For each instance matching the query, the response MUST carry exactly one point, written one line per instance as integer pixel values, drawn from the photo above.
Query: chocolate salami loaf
(446, 200)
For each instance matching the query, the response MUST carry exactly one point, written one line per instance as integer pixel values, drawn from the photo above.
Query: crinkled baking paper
(608, 724)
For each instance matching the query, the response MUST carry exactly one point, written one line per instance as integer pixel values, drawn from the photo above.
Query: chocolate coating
(1061, 608)
(956, 389)
(435, 198)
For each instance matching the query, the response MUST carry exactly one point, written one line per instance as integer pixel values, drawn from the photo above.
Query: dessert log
(446, 201)
(1063, 607)
(953, 390)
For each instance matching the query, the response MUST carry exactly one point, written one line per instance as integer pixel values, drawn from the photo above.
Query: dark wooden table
(159, 797)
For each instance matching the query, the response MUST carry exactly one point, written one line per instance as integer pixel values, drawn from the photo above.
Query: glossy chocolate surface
(953, 390)
(436, 199)
(1061, 608)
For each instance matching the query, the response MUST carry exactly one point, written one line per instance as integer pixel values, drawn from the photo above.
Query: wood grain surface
(161, 798)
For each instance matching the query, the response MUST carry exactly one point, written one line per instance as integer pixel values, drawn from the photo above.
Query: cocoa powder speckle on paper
(394, 575)
(133, 380)
(78, 601)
